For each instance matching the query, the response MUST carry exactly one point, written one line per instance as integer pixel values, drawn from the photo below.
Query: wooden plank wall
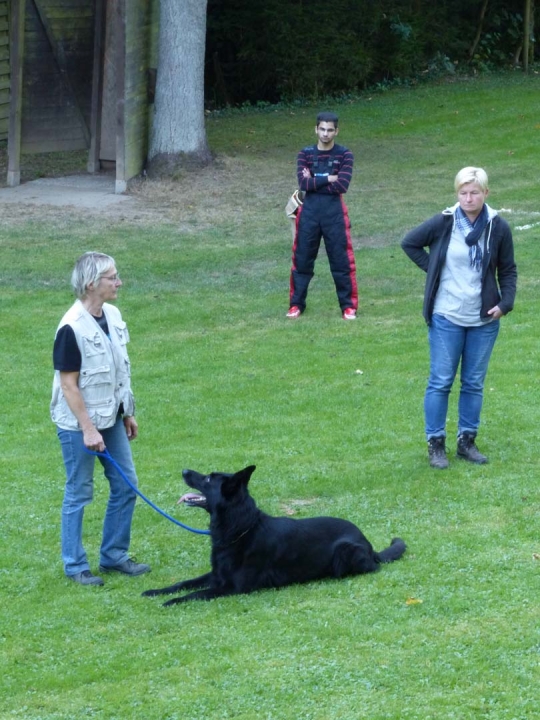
(57, 75)
(4, 70)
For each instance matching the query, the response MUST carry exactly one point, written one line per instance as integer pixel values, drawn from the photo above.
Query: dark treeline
(281, 50)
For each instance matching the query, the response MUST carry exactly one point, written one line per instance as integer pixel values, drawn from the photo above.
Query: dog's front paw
(151, 593)
(174, 601)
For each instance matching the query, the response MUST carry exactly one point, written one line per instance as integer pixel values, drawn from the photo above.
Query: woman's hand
(132, 429)
(495, 312)
(92, 439)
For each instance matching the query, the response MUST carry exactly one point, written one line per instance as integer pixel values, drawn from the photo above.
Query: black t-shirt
(66, 353)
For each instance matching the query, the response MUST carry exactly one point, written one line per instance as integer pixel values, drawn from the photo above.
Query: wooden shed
(79, 73)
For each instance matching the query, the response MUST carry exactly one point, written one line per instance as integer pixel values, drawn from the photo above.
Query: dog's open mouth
(193, 500)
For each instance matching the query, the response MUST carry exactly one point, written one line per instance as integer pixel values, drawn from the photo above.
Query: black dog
(251, 550)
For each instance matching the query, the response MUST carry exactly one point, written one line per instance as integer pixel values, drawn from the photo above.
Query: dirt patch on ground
(190, 200)
(227, 192)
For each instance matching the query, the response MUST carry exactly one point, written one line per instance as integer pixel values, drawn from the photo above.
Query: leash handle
(107, 455)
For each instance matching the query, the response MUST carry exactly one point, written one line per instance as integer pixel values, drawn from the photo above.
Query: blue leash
(109, 457)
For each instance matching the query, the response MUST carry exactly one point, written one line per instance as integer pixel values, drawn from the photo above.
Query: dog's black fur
(251, 550)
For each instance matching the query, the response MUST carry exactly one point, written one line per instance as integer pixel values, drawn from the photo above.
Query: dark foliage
(281, 50)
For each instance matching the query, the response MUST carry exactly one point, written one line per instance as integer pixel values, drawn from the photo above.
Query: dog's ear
(233, 484)
(246, 473)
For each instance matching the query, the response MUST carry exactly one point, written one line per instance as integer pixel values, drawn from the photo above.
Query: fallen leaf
(413, 601)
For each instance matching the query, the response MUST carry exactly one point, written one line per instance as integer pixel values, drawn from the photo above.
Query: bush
(282, 50)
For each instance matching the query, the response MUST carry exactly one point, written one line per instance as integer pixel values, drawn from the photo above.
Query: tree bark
(178, 136)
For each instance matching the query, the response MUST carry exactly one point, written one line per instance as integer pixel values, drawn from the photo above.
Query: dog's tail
(393, 552)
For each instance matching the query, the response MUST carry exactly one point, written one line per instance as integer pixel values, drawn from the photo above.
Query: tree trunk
(478, 35)
(178, 133)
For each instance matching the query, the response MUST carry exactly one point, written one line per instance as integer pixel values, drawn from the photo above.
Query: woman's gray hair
(471, 175)
(89, 269)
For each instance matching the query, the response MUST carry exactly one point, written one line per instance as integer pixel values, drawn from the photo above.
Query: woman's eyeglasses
(114, 278)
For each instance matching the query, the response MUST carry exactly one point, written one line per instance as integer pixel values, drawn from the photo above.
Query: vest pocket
(92, 345)
(101, 413)
(95, 376)
(122, 333)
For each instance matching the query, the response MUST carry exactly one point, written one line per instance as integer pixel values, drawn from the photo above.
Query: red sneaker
(294, 312)
(349, 314)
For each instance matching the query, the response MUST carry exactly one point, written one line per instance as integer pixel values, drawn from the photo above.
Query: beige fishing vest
(105, 375)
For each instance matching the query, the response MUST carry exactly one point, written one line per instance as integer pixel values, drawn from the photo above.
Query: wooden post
(526, 34)
(121, 30)
(93, 164)
(16, 52)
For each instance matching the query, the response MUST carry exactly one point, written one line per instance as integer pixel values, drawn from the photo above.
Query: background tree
(178, 134)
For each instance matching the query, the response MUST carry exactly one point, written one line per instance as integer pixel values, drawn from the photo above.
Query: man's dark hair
(327, 117)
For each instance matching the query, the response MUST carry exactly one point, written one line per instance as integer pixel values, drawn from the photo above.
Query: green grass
(222, 380)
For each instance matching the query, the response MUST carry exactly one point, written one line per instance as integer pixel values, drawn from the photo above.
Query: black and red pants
(323, 216)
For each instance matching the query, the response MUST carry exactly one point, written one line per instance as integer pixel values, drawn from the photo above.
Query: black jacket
(498, 261)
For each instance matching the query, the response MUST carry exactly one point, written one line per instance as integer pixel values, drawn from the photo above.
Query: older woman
(92, 406)
(471, 283)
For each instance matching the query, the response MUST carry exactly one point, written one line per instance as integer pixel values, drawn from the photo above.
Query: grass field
(329, 411)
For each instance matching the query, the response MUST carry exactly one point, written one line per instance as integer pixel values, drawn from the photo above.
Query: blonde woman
(467, 252)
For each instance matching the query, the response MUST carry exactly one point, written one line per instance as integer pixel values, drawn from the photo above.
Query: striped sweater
(337, 161)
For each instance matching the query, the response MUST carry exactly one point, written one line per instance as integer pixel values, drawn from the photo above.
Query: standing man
(93, 408)
(324, 172)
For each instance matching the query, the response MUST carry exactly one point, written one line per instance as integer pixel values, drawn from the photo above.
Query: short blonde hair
(471, 175)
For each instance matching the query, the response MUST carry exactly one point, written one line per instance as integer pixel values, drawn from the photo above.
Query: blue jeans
(79, 491)
(448, 344)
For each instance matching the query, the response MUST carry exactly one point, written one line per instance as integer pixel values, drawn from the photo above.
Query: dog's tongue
(189, 497)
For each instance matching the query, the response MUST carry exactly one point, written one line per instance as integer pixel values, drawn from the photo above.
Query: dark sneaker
(437, 453)
(128, 567)
(86, 578)
(466, 449)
